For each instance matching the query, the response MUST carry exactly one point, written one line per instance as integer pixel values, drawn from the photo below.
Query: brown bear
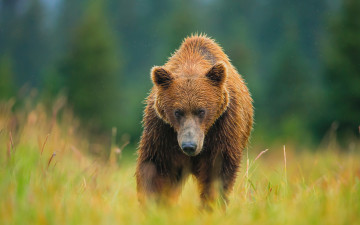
(197, 121)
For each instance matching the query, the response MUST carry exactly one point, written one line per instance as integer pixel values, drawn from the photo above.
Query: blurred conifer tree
(343, 69)
(7, 86)
(288, 101)
(91, 69)
(31, 52)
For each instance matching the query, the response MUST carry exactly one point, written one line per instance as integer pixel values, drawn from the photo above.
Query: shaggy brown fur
(198, 75)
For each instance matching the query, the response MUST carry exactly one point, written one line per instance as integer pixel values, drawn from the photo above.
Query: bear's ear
(161, 77)
(217, 74)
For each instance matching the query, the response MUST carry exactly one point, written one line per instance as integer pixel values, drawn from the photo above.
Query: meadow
(48, 176)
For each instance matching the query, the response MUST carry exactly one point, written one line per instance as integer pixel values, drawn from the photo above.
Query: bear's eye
(201, 113)
(178, 113)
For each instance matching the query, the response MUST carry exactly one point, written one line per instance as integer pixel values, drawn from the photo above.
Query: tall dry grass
(47, 176)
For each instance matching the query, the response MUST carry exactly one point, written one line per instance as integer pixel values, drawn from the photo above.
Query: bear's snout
(189, 148)
(190, 138)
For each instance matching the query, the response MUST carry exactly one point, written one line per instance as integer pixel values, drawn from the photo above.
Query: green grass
(321, 187)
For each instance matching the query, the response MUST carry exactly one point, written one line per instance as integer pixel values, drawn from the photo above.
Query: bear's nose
(189, 148)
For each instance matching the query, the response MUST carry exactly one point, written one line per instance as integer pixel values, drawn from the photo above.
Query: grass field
(47, 177)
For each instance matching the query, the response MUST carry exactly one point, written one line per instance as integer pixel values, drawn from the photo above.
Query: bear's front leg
(229, 169)
(216, 179)
(208, 177)
(148, 181)
(208, 194)
(154, 186)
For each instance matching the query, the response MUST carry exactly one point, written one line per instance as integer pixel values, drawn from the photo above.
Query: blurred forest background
(301, 59)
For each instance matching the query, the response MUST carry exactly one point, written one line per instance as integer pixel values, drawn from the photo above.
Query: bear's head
(190, 104)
